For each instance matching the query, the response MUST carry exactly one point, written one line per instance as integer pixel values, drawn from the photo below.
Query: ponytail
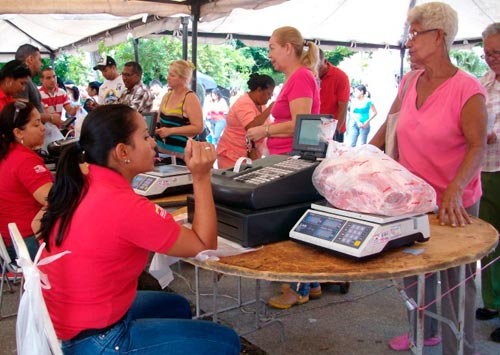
(68, 190)
(310, 57)
(103, 128)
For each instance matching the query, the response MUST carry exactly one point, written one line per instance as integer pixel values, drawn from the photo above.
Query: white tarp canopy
(362, 23)
(52, 25)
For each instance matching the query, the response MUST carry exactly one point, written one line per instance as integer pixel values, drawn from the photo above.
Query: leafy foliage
(469, 61)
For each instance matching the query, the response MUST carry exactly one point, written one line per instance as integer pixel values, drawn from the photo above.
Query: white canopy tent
(356, 23)
(54, 25)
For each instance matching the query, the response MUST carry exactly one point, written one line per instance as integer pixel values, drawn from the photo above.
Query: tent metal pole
(185, 23)
(411, 5)
(135, 42)
(195, 12)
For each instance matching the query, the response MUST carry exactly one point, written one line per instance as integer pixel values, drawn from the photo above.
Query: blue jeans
(355, 132)
(217, 126)
(304, 287)
(158, 323)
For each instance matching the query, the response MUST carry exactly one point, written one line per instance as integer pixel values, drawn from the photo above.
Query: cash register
(261, 202)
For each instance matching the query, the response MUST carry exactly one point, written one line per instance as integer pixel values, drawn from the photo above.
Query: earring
(127, 161)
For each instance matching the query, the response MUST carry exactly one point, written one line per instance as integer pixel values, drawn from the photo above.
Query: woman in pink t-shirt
(300, 93)
(248, 111)
(441, 135)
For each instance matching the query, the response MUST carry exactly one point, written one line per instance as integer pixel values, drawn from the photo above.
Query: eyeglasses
(19, 105)
(412, 35)
(491, 55)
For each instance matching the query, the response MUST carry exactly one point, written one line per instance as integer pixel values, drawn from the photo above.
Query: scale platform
(163, 180)
(358, 235)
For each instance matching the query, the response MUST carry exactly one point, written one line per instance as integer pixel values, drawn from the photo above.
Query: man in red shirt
(334, 93)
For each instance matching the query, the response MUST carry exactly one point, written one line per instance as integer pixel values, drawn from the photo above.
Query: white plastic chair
(34, 330)
(7, 266)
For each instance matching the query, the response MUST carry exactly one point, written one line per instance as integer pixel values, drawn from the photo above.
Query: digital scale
(163, 180)
(358, 235)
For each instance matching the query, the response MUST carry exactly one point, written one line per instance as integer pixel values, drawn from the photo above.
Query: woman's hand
(163, 132)
(256, 133)
(451, 210)
(199, 158)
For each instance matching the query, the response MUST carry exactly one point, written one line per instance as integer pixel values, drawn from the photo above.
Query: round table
(290, 261)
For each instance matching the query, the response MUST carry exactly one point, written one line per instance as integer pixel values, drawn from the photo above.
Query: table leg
(197, 290)
(461, 311)
(216, 290)
(420, 313)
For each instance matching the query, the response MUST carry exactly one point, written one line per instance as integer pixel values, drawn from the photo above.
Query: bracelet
(267, 131)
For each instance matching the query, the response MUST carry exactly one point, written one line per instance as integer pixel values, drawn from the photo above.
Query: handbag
(391, 141)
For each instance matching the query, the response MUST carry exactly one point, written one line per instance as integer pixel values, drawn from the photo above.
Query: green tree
(70, 67)
(469, 61)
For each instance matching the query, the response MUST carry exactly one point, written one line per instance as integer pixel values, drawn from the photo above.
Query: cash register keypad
(273, 172)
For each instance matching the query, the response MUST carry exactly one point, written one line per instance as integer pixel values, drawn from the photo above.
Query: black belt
(91, 332)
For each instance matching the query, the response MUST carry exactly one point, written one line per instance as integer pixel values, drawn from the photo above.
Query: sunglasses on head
(19, 105)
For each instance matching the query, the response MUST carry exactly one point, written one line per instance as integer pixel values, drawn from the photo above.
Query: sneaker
(287, 299)
(402, 342)
(486, 313)
(314, 292)
(495, 336)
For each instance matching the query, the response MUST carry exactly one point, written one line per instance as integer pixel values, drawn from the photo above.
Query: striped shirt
(54, 103)
(491, 161)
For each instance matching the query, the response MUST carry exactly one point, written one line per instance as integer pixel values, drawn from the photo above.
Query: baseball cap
(104, 62)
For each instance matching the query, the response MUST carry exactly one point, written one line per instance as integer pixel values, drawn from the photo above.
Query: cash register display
(143, 182)
(311, 135)
(333, 229)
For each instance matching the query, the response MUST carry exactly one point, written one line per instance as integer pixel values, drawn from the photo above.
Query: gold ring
(207, 148)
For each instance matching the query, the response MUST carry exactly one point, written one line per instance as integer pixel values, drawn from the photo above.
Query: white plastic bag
(52, 133)
(35, 334)
(364, 179)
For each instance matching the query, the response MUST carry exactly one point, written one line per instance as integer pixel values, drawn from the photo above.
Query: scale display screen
(333, 229)
(143, 182)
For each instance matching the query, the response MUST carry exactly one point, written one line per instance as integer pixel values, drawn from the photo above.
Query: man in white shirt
(113, 87)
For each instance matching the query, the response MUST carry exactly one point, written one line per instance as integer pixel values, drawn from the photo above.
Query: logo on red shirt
(40, 169)
(160, 211)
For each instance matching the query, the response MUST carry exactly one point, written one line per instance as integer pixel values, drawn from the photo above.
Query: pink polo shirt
(301, 84)
(431, 141)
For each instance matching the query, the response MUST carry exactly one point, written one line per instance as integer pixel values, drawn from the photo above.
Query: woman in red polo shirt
(24, 179)
(110, 230)
(13, 78)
